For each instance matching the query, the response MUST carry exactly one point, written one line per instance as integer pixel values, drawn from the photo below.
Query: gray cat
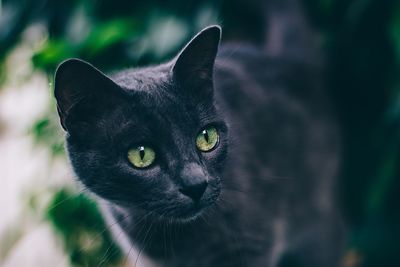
(223, 156)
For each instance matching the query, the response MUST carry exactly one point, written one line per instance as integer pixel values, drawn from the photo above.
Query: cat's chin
(193, 211)
(187, 214)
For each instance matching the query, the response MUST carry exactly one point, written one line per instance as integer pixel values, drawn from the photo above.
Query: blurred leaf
(395, 32)
(381, 186)
(107, 34)
(47, 131)
(83, 230)
(52, 54)
(377, 243)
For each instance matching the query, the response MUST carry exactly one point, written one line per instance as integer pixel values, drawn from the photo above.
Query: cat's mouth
(195, 209)
(193, 213)
(189, 211)
(180, 210)
(188, 215)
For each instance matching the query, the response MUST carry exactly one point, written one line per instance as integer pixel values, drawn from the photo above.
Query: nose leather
(194, 191)
(193, 181)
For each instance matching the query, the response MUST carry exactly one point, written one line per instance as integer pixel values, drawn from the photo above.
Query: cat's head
(151, 138)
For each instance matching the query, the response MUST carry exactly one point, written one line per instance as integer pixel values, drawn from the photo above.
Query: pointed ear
(196, 60)
(78, 82)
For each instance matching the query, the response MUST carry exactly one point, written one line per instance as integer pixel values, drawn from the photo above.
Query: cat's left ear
(78, 85)
(195, 63)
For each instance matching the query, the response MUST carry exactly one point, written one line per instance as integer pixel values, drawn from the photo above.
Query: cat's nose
(195, 191)
(193, 181)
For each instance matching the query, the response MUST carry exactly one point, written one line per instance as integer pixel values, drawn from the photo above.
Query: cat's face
(148, 139)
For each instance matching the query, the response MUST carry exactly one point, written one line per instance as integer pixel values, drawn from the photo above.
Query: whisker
(127, 256)
(55, 205)
(106, 254)
(144, 243)
(106, 228)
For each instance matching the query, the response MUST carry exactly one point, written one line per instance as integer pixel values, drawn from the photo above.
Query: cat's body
(269, 198)
(278, 181)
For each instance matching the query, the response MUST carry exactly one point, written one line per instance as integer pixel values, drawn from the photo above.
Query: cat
(224, 156)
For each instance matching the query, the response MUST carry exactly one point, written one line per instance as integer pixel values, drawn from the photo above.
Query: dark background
(361, 39)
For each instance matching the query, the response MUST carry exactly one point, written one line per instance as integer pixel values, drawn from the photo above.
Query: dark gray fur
(269, 200)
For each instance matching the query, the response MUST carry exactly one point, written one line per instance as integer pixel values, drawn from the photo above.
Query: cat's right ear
(194, 65)
(76, 81)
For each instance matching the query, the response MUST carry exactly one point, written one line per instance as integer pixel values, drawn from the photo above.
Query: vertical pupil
(205, 134)
(141, 152)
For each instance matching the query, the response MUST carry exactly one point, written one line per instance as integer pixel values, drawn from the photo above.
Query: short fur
(269, 199)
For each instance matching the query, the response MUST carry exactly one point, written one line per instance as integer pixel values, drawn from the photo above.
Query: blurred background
(45, 220)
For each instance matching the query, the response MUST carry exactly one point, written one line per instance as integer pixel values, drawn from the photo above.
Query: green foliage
(107, 35)
(102, 38)
(47, 131)
(52, 53)
(80, 225)
(395, 31)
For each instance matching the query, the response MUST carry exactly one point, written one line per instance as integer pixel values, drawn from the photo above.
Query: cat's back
(245, 72)
(280, 122)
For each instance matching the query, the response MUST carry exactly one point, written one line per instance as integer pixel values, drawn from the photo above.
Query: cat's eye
(207, 139)
(141, 156)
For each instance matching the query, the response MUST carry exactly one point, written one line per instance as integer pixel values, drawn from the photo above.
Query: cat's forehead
(155, 88)
(152, 96)
(144, 79)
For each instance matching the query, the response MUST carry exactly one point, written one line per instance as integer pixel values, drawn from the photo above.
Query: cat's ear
(77, 81)
(195, 63)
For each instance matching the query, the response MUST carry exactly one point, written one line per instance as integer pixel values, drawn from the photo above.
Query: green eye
(207, 139)
(142, 156)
